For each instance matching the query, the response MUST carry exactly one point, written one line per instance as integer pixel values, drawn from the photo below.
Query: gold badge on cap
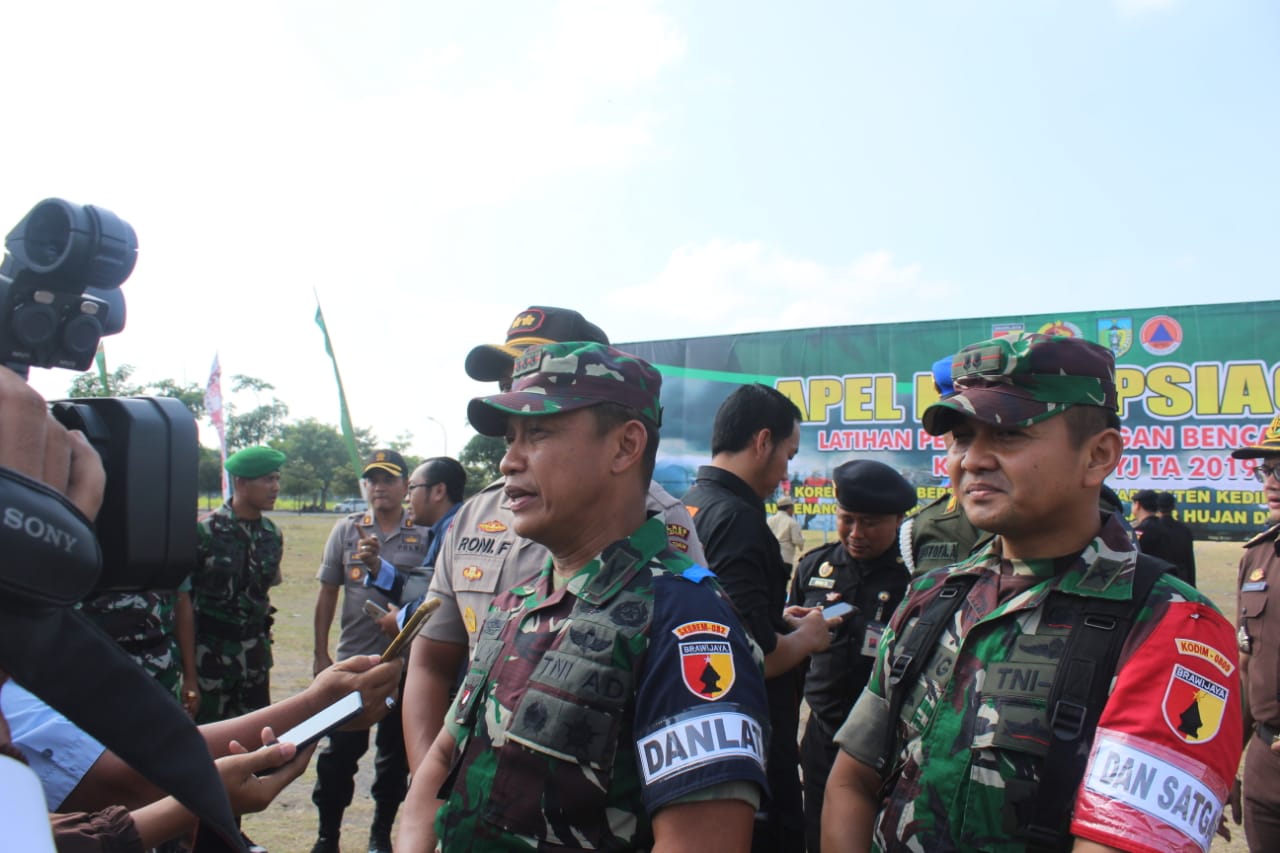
(826, 570)
(469, 619)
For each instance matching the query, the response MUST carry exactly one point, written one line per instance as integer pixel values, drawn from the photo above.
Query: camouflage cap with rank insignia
(1019, 380)
(537, 324)
(1269, 446)
(554, 378)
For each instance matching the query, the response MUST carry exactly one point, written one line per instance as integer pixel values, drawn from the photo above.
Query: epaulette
(1265, 535)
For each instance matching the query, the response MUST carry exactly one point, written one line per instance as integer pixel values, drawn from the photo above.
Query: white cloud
(726, 287)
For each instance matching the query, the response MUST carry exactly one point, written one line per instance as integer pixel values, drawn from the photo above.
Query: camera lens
(48, 234)
(34, 324)
(81, 335)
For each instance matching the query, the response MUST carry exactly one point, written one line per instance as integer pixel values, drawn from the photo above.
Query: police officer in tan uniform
(1259, 634)
(482, 555)
(382, 539)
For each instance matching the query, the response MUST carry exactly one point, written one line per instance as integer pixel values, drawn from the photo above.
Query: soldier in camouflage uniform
(614, 700)
(1035, 432)
(482, 556)
(143, 624)
(237, 562)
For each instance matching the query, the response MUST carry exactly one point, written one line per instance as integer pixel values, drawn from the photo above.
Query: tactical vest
(1049, 694)
(570, 716)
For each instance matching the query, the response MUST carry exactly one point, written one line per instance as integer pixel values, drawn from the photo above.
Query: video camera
(59, 296)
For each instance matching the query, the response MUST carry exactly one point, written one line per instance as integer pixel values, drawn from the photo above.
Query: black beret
(865, 485)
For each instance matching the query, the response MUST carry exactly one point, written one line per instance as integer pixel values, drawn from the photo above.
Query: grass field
(289, 825)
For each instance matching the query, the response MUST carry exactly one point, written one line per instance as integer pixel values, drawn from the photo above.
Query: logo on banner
(1116, 334)
(1193, 705)
(1064, 328)
(1004, 330)
(706, 659)
(1161, 335)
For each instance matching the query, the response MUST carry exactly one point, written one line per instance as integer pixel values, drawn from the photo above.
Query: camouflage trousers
(233, 675)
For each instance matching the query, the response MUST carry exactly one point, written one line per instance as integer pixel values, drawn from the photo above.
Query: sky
(671, 170)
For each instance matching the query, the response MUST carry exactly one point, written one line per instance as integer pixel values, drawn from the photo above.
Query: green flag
(348, 433)
(101, 359)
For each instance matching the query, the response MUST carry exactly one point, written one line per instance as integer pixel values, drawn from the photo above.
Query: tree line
(319, 469)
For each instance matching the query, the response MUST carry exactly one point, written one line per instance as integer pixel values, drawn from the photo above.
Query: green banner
(1194, 383)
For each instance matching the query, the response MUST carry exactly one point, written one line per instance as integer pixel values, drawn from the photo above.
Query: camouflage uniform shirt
(237, 562)
(588, 708)
(974, 729)
(141, 623)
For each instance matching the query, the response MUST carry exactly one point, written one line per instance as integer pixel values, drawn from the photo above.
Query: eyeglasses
(1262, 472)
(413, 486)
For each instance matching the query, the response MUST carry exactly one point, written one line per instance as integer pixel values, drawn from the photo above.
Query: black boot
(327, 835)
(384, 817)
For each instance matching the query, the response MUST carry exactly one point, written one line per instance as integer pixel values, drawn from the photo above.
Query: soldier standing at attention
(1259, 635)
(382, 539)
(1056, 690)
(238, 553)
(862, 568)
(787, 531)
(614, 701)
(237, 562)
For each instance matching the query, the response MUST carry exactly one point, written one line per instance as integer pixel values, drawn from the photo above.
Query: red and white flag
(213, 405)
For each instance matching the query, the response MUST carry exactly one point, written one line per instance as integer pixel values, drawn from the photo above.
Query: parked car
(351, 505)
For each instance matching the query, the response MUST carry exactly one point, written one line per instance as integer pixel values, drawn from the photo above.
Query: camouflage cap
(1023, 379)
(1269, 446)
(562, 377)
(537, 324)
(252, 462)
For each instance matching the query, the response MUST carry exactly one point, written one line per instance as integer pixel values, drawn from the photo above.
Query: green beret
(254, 462)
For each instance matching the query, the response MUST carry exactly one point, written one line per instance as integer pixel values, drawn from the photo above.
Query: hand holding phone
(411, 628)
(374, 610)
(837, 610)
(325, 721)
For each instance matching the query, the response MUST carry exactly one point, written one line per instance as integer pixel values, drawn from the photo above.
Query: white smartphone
(840, 608)
(375, 610)
(317, 726)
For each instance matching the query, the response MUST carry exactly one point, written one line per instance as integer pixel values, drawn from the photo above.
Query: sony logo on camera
(39, 529)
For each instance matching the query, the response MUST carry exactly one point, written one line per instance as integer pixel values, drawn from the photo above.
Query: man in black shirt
(1181, 543)
(1153, 537)
(863, 568)
(755, 434)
